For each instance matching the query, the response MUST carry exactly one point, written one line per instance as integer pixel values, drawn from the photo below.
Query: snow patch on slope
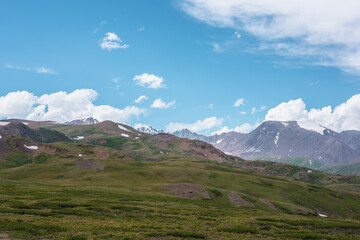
(31, 147)
(312, 127)
(276, 139)
(285, 124)
(125, 135)
(123, 128)
(78, 138)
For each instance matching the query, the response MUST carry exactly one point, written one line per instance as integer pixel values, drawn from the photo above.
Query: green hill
(138, 186)
(351, 168)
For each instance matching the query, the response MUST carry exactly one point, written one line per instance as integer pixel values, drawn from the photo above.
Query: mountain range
(278, 141)
(110, 181)
(288, 142)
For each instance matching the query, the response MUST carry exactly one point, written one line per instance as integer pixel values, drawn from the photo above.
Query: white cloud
(345, 116)
(206, 124)
(255, 110)
(149, 81)
(116, 81)
(239, 102)
(17, 104)
(243, 128)
(313, 83)
(45, 70)
(326, 30)
(62, 106)
(141, 99)
(242, 113)
(140, 29)
(41, 69)
(211, 106)
(158, 103)
(217, 48)
(100, 25)
(112, 41)
(237, 35)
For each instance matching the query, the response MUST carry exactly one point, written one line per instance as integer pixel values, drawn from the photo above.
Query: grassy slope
(33, 211)
(303, 162)
(52, 198)
(351, 168)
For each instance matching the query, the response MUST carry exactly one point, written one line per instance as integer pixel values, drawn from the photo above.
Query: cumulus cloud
(158, 103)
(149, 81)
(41, 69)
(200, 125)
(17, 104)
(243, 128)
(112, 41)
(327, 31)
(239, 102)
(345, 116)
(62, 106)
(141, 99)
(237, 35)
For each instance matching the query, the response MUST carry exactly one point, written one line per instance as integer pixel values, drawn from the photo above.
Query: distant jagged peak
(307, 125)
(147, 129)
(83, 121)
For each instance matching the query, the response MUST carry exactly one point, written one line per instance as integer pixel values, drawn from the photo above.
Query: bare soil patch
(188, 191)
(101, 153)
(151, 160)
(4, 236)
(270, 205)
(236, 199)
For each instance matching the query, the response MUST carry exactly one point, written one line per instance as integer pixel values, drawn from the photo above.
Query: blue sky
(205, 62)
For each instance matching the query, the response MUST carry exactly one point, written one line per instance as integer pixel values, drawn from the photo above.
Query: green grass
(351, 168)
(33, 211)
(288, 195)
(303, 162)
(50, 197)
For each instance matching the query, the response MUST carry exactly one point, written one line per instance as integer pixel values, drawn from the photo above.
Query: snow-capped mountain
(83, 121)
(147, 129)
(287, 140)
(186, 133)
(312, 146)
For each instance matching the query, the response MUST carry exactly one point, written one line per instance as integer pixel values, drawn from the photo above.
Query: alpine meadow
(179, 119)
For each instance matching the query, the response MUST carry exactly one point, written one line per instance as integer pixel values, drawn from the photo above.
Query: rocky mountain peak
(83, 121)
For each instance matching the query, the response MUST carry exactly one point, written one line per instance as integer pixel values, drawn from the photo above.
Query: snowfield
(123, 128)
(31, 147)
(78, 138)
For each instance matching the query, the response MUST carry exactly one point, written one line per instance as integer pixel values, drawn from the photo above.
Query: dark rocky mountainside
(287, 142)
(37, 135)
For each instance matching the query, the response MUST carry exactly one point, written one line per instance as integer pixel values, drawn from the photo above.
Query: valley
(111, 181)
